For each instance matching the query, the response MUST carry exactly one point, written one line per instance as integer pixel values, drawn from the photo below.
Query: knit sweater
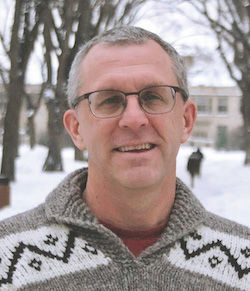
(60, 245)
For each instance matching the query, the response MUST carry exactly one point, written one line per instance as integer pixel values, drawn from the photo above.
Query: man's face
(111, 142)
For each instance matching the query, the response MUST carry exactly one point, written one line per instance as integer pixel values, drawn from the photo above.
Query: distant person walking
(194, 164)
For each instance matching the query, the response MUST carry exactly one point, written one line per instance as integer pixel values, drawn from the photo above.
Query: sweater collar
(65, 205)
(186, 215)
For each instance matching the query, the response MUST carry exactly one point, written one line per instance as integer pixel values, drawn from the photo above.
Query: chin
(140, 179)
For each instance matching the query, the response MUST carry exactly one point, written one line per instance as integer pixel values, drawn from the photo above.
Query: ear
(189, 117)
(71, 124)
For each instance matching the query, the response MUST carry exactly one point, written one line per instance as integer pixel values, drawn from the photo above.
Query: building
(40, 119)
(219, 121)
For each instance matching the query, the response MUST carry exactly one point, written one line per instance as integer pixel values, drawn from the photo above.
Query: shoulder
(35, 250)
(55, 204)
(219, 249)
(30, 228)
(27, 220)
(223, 225)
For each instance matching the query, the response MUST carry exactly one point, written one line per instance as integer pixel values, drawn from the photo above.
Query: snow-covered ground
(223, 188)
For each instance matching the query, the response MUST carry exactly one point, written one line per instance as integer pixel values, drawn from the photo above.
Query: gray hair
(121, 36)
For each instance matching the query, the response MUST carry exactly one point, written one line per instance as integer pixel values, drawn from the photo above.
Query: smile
(136, 148)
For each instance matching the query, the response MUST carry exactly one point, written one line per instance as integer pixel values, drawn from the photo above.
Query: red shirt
(137, 241)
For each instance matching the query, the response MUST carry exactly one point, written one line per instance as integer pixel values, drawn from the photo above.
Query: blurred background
(38, 40)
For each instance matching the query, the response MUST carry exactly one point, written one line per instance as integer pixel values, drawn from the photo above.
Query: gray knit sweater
(61, 246)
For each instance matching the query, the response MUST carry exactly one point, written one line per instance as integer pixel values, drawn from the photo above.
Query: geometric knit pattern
(196, 251)
(53, 251)
(221, 256)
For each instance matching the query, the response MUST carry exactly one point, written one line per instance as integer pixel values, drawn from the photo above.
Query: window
(200, 134)
(202, 123)
(222, 105)
(221, 140)
(204, 104)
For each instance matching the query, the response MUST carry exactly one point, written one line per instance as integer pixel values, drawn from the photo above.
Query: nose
(133, 116)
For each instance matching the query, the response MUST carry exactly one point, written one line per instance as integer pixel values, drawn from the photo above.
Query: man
(126, 222)
(194, 164)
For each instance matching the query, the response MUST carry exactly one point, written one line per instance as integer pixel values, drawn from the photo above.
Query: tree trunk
(21, 44)
(246, 118)
(78, 154)
(11, 126)
(53, 161)
(31, 131)
(14, 94)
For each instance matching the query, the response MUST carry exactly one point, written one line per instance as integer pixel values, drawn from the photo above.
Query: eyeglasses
(112, 103)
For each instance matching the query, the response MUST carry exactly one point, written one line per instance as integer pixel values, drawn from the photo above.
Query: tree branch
(237, 31)
(5, 82)
(223, 56)
(4, 46)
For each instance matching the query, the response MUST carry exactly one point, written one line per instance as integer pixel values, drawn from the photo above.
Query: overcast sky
(188, 39)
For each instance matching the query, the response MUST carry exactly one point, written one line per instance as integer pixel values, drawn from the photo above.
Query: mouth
(135, 148)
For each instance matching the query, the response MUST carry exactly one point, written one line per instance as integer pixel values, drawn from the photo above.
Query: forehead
(121, 64)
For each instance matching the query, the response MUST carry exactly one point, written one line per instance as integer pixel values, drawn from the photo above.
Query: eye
(111, 100)
(150, 96)
(107, 100)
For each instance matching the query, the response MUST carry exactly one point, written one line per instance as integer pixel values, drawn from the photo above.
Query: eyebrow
(150, 84)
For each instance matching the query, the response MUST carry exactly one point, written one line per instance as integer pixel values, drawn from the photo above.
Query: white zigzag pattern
(33, 267)
(214, 260)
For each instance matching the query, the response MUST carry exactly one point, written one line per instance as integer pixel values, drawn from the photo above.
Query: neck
(132, 209)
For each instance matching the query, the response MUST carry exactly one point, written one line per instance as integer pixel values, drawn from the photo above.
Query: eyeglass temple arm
(77, 100)
(183, 92)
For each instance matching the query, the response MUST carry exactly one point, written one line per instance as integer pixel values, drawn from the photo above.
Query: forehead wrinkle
(126, 83)
(101, 52)
(118, 63)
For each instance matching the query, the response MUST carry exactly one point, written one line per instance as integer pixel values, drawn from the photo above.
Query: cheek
(169, 128)
(97, 134)
(178, 122)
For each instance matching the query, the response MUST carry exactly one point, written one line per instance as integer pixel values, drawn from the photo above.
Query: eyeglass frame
(176, 89)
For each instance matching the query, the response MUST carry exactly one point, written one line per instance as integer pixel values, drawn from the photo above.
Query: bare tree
(24, 31)
(229, 20)
(67, 25)
(32, 105)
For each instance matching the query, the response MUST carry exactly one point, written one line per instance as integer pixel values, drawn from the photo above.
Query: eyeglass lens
(111, 103)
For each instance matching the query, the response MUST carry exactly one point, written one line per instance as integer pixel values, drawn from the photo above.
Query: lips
(135, 148)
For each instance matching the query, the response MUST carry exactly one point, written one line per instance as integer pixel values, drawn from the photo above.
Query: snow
(48, 94)
(223, 188)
